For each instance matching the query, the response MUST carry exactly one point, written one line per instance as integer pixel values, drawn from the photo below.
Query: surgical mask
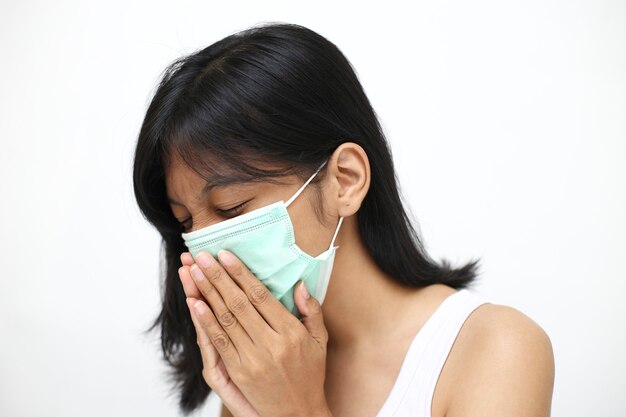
(264, 241)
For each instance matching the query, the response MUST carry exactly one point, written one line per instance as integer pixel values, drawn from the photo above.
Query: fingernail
(204, 259)
(197, 273)
(305, 293)
(225, 257)
(199, 307)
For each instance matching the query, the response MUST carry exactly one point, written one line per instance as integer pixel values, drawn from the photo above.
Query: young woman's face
(196, 209)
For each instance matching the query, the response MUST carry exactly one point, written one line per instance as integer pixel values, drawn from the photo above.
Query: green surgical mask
(264, 241)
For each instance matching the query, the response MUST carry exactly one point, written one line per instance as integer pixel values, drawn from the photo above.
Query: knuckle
(259, 294)
(220, 341)
(214, 274)
(238, 304)
(236, 270)
(227, 319)
(206, 287)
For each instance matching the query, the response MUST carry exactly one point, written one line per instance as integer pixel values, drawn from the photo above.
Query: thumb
(311, 311)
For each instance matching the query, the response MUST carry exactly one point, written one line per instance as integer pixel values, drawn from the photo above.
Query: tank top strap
(412, 393)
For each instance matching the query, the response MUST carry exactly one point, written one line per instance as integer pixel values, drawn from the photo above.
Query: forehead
(184, 184)
(181, 181)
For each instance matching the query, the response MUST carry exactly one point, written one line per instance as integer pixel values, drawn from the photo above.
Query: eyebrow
(216, 182)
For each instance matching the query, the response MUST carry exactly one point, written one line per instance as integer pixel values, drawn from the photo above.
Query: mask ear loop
(297, 193)
(332, 242)
(293, 197)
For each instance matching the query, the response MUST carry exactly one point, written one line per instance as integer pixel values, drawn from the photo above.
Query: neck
(361, 301)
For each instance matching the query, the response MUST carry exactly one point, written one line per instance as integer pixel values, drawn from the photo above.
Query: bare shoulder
(501, 363)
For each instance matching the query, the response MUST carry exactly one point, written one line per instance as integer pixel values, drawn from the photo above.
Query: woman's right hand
(214, 371)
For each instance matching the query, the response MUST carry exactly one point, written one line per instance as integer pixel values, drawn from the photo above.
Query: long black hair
(274, 92)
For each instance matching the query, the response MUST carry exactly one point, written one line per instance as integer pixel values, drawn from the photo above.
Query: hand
(213, 371)
(277, 361)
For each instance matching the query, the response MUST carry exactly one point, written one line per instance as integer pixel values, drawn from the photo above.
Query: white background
(507, 121)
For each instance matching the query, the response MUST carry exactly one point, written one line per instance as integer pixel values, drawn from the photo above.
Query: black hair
(275, 92)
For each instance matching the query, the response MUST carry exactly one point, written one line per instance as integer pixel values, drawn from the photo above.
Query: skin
(256, 354)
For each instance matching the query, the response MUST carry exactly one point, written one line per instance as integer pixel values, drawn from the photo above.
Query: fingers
(219, 310)
(272, 310)
(186, 258)
(189, 286)
(236, 300)
(311, 311)
(210, 357)
(210, 332)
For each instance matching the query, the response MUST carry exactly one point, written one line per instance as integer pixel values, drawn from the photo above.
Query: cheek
(311, 236)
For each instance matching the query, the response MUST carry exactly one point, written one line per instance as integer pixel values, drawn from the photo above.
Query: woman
(265, 170)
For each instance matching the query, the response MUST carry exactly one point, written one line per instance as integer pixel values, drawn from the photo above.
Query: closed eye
(233, 211)
(229, 212)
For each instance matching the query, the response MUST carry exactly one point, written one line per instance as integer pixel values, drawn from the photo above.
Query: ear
(349, 177)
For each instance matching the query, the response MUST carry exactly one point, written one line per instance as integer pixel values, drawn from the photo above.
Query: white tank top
(412, 393)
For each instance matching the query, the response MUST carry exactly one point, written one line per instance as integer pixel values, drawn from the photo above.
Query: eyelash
(232, 212)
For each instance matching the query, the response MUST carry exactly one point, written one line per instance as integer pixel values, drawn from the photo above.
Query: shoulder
(504, 365)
